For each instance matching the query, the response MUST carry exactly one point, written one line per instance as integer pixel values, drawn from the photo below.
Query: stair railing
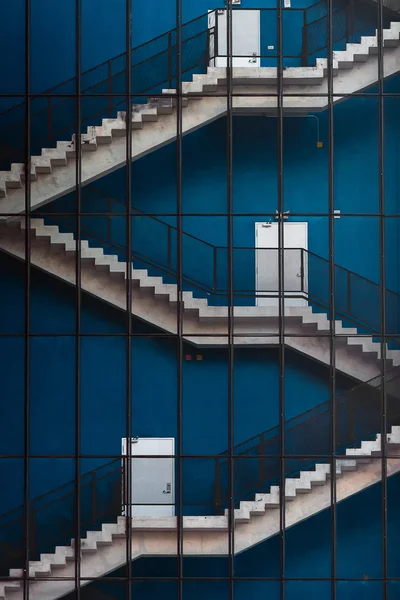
(100, 492)
(349, 22)
(358, 417)
(357, 298)
(256, 467)
(153, 66)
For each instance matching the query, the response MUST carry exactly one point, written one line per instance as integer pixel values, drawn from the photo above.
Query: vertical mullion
(128, 289)
(332, 307)
(78, 165)
(281, 300)
(382, 284)
(230, 384)
(180, 305)
(27, 357)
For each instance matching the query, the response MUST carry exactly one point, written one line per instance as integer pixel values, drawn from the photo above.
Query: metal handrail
(95, 189)
(89, 475)
(12, 146)
(112, 97)
(347, 307)
(106, 62)
(115, 98)
(393, 374)
(361, 420)
(104, 485)
(350, 28)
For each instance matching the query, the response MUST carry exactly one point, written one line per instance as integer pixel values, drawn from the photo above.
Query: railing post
(260, 452)
(302, 270)
(109, 218)
(217, 487)
(93, 499)
(215, 268)
(304, 41)
(50, 120)
(170, 60)
(350, 423)
(169, 250)
(32, 528)
(349, 20)
(207, 54)
(348, 293)
(216, 36)
(110, 89)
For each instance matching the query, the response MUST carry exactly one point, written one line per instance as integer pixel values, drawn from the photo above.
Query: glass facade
(200, 315)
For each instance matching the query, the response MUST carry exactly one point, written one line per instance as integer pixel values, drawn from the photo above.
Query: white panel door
(245, 38)
(152, 479)
(295, 261)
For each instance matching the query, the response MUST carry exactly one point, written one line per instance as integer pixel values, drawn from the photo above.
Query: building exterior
(200, 307)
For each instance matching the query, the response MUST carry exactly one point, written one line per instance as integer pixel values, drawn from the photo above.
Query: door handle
(167, 489)
(254, 59)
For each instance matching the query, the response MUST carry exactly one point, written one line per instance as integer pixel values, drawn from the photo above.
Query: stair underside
(202, 325)
(305, 90)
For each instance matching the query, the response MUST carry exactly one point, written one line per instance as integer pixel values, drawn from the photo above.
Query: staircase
(154, 124)
(53, 576)
(356, 416)
(155, 302)
(104, 277)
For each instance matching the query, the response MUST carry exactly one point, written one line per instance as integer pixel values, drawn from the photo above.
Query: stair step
(57, 157)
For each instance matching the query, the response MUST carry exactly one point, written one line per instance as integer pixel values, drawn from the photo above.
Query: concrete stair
(105, 277)
(53, 576)
(154, 124)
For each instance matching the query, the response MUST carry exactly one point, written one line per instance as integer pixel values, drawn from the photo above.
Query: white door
(295, 261)
(245, 38)
(152, 479)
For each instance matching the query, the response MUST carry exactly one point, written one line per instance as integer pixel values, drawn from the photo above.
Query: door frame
(238, 61)
(273, 301)
(124, 450)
